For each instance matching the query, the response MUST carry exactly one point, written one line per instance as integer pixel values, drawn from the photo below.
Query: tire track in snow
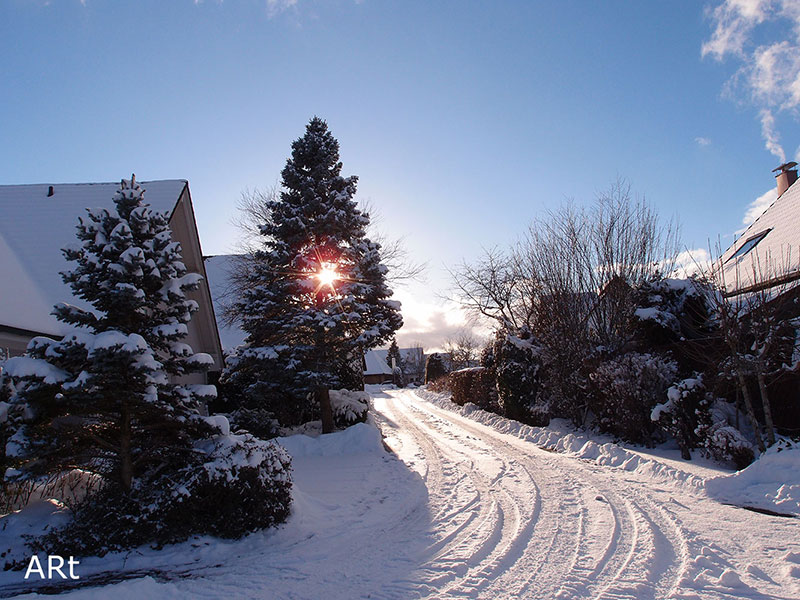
(583, 537)
(653, 566)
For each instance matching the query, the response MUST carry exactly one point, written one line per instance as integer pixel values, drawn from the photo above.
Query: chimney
(786, 177)
(51, 190)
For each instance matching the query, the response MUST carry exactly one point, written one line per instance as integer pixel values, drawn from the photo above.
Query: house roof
(375, 363)
(218, 271)
(34, 227)
(768, 250)
(376, 360)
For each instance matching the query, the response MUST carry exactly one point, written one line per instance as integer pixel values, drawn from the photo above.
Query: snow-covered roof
(34, 227)
(218, 271)
(375, 362)
(769, 249)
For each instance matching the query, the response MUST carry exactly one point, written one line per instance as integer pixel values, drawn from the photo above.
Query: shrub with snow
(475, 385)
(434, 367)
(627, 389)
(722, 440)
(232, 485)
(517, 364)
(261, 423)
(685, 413)
(349, 407)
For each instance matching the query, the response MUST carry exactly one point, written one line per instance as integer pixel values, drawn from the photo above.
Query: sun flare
(327, 275)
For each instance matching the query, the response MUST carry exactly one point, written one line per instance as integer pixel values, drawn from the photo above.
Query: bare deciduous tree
(570, 281)
(463, 350)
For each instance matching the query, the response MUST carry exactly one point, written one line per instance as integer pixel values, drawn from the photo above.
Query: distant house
(38, 220)
(767, 255)
(377, 370)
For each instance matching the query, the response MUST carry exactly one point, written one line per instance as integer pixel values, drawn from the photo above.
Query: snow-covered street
(471, 512)
(512, 520)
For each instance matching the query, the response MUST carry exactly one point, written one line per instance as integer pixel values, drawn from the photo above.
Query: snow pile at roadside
(561, 437)
(347, 489)
(36, 519)
(772, 482)
(361, 438)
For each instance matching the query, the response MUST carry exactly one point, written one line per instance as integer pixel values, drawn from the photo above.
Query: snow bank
(35, 519)
(358, 439)
(561, 437)
(772, 482)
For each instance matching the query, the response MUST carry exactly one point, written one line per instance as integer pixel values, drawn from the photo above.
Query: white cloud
(769, 75)
(278, 6)
(430, 324)
(702, 141)
(759, 205)
(692, 262)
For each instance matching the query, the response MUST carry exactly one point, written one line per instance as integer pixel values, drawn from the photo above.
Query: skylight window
(750, 244)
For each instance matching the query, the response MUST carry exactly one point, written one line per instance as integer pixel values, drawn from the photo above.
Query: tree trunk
(324, 399)
(748, 403)
(125, 458)
(762, 386)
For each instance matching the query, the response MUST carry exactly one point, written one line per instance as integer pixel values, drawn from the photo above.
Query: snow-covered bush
(265, 381)
(474, 384)
(232, 485)
(722, 440)
(257, 421)
(626, 389)
(685, 413)
(349, 407)
(517, 365)
(726, 443)
(434, 367)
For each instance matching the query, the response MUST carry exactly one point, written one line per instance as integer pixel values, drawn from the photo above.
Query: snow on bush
(349, 407)
(517, 365)
(233, 484)
(772, 482)
(685, 414)
(626, 390)
(727, 444)
(474, 384)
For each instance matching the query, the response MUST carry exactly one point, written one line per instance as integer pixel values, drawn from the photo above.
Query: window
(749, 244)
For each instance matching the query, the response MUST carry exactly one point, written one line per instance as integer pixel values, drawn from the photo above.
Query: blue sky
(464, 120)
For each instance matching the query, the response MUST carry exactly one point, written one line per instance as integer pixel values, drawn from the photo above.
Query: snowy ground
(470, 506)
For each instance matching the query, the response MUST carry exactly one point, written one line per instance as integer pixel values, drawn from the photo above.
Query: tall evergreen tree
(105, 400)
(394, 353)
(316, 295)
(102, 399)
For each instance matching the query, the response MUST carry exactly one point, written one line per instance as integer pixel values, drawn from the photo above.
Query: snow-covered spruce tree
(393, 353)
(104, 399)
(315, 296)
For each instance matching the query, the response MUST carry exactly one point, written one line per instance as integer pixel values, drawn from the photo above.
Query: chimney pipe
(786, 177)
